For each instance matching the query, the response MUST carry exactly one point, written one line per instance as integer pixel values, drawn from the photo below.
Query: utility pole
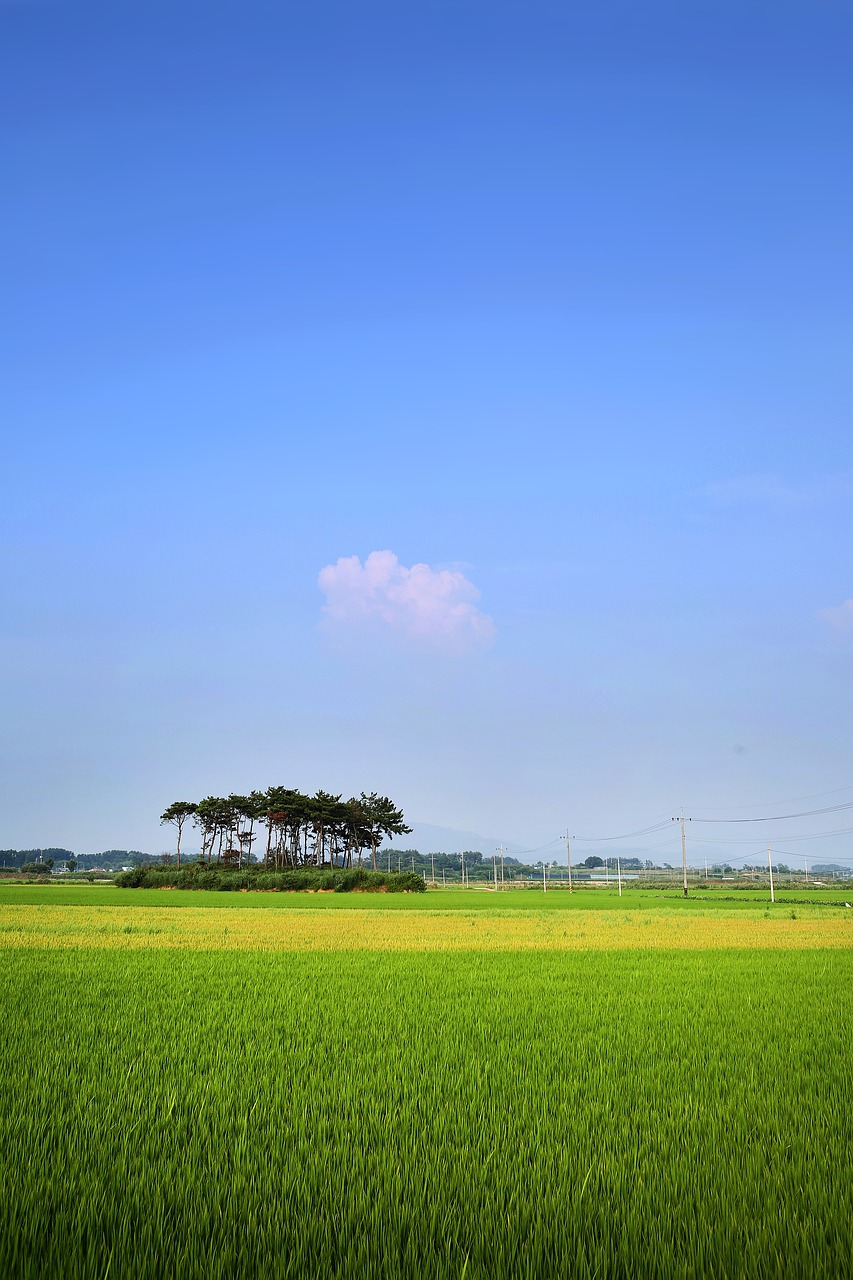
(807, 869)
(462, 858)
(682, 820)
(770, 865)
(502, 866)
(432, 856)
(569, 858)
(619, 873)
(706, 868)
(544, 881)
(495, 868)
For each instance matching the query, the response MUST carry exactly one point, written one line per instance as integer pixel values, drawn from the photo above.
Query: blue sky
(552, 299)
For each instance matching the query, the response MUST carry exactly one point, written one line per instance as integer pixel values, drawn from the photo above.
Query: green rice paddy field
(451, 1085)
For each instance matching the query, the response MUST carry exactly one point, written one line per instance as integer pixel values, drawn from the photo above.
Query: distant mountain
(427, 838)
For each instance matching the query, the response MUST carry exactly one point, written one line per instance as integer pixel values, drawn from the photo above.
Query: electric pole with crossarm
(682, 820)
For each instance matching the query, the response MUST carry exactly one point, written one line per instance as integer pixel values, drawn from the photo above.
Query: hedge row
(199, 876)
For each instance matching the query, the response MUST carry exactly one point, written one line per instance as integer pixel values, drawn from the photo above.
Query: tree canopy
(300, 830)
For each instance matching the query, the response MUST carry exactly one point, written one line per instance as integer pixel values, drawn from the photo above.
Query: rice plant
(220, 1113)
(317, 928)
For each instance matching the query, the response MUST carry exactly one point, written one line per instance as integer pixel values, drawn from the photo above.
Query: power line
(808, 835)
(539, 848)
(757, 856)
(628, 835)
(664, 823)
(783, 817)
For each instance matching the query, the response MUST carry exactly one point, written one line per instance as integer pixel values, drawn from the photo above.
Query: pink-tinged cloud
(433, 606)
(839, 619)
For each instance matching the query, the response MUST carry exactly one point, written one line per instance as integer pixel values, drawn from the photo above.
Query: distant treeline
(18, 857)
(485, 867)
(448, 866)
(300, 830)
(110, 859)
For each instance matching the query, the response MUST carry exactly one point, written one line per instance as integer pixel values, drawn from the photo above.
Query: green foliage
(132, 879)
(447, 867)
(19, 857)
(37, 868)
(238, 1115)
(319, 830)
(198, 875)
(109, 860)
(405, 882)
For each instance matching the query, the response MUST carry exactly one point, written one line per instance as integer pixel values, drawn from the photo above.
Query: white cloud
(435, 606)
(839, 619)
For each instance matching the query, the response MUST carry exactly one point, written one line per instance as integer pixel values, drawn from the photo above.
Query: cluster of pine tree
(322, 830)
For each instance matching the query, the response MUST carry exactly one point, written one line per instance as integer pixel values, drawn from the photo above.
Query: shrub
(407, 882)
(130, 879)
(197, 875)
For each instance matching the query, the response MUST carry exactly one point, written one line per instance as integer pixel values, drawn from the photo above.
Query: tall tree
(176, 815)
(358, 831)
(322, 816)
(370, 817)
(214, 815)
(391, 819)
(381, 818)
(283, 810)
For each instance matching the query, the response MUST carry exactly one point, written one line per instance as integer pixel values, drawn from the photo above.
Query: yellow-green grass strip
(145, 928)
